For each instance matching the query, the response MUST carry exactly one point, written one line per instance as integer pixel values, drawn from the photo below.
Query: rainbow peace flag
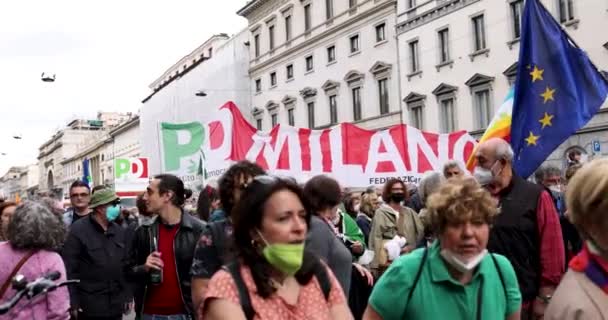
(499, 127)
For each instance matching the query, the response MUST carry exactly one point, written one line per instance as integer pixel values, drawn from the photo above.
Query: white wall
(224, 77)
(323, 34)
(593, 15)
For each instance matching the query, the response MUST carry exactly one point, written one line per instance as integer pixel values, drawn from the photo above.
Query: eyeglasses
(79, 195)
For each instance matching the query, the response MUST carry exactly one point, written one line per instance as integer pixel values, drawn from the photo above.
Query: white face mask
(483, 176)
(556, 188)
(336, 219)
(459, 264)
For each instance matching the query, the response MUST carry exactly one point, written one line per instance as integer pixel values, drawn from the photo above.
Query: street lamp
(47, 78)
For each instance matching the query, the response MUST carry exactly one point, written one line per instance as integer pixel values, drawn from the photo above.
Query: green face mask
(286, 257)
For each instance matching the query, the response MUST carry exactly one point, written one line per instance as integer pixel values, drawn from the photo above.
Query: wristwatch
(546, 298)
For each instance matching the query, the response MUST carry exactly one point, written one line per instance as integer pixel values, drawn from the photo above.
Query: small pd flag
(557, 91)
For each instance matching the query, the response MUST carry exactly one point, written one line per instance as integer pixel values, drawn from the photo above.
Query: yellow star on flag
(532, 139)
(537, 74)
(548, 94)
(546, 121)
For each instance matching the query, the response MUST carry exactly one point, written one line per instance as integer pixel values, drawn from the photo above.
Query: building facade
(119, 141)
(316, 63)
(65, 144)
(214, 73)
(459, 59)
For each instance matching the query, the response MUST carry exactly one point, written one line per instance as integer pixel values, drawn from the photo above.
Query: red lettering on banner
(431, 140)
(216, 135)
(305, 147)
(326, 151)
(283, 161)
(355, 145)
(399, 134)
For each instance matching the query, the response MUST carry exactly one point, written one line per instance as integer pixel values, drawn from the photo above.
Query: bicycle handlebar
(37, 287)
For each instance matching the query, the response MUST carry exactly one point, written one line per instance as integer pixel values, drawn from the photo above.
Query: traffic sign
(596, 146)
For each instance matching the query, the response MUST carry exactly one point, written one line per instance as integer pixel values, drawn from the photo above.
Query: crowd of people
(486, 245)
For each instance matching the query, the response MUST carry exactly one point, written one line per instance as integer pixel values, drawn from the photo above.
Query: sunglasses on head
(268, 180)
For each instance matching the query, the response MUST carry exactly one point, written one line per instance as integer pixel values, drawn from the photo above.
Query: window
(380, 32)
(448, 121)
(273, 79)
(307, 18)
(516, 11)
(416, 116)
(210, 52)
(273, 119)
(333, 110)
(331, 54)
(356, 103)
(256, 45)
(479, 33)
(290, 117)
(309, 63)
(566, 10)
(311, 115)
(288, 28)
(383, 95)
(258, 85)
(483, 109)
(329, 9)
(271, 37)
(414, 62)
(289, 71)
(354, 44)
(411, 4)
(444, 40)
(352, 3)
(258, 124)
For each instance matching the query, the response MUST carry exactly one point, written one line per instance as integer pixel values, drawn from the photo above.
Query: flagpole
(572, 40)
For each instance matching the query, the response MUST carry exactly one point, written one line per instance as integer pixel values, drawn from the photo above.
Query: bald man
(527, 231)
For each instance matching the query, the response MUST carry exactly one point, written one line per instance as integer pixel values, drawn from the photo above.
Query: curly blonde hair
(460, 200)
(587, 196)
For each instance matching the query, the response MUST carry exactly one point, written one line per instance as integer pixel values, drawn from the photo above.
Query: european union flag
(557, 91)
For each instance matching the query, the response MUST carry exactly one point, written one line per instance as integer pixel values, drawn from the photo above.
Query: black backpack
(234, 269)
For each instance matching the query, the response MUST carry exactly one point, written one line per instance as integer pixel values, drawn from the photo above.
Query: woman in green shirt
(455, 278)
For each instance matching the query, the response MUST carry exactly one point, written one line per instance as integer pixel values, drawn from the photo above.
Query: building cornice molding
(437, 12)
(313, 41)
(478, 79)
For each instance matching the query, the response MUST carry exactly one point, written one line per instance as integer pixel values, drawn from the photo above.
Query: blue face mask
(112, 212)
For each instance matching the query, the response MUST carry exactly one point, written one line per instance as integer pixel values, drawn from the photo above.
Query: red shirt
(552, 260)
(166, 298)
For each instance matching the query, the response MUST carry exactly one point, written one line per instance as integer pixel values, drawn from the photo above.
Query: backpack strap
(502, 279)
(418, 274)
(323, 278)
(218, 237)
(235, 271)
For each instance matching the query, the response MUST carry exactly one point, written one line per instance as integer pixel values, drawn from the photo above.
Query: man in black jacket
(95, 253)
(162, 250)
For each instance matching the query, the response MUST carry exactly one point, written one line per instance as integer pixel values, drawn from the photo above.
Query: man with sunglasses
(94, 253)
(80, 197)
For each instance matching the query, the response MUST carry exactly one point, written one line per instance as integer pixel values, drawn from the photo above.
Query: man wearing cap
(95, 253)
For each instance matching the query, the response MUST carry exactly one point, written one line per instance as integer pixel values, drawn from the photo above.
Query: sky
(104, 55)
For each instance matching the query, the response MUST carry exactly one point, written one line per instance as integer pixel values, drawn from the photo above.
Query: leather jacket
(184, 244)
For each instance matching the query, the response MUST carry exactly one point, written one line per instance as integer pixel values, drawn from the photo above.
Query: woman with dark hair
(211, 250)
(7, 209)
(275, 277)
(393, 224)
(208, 205)
(32, 253)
